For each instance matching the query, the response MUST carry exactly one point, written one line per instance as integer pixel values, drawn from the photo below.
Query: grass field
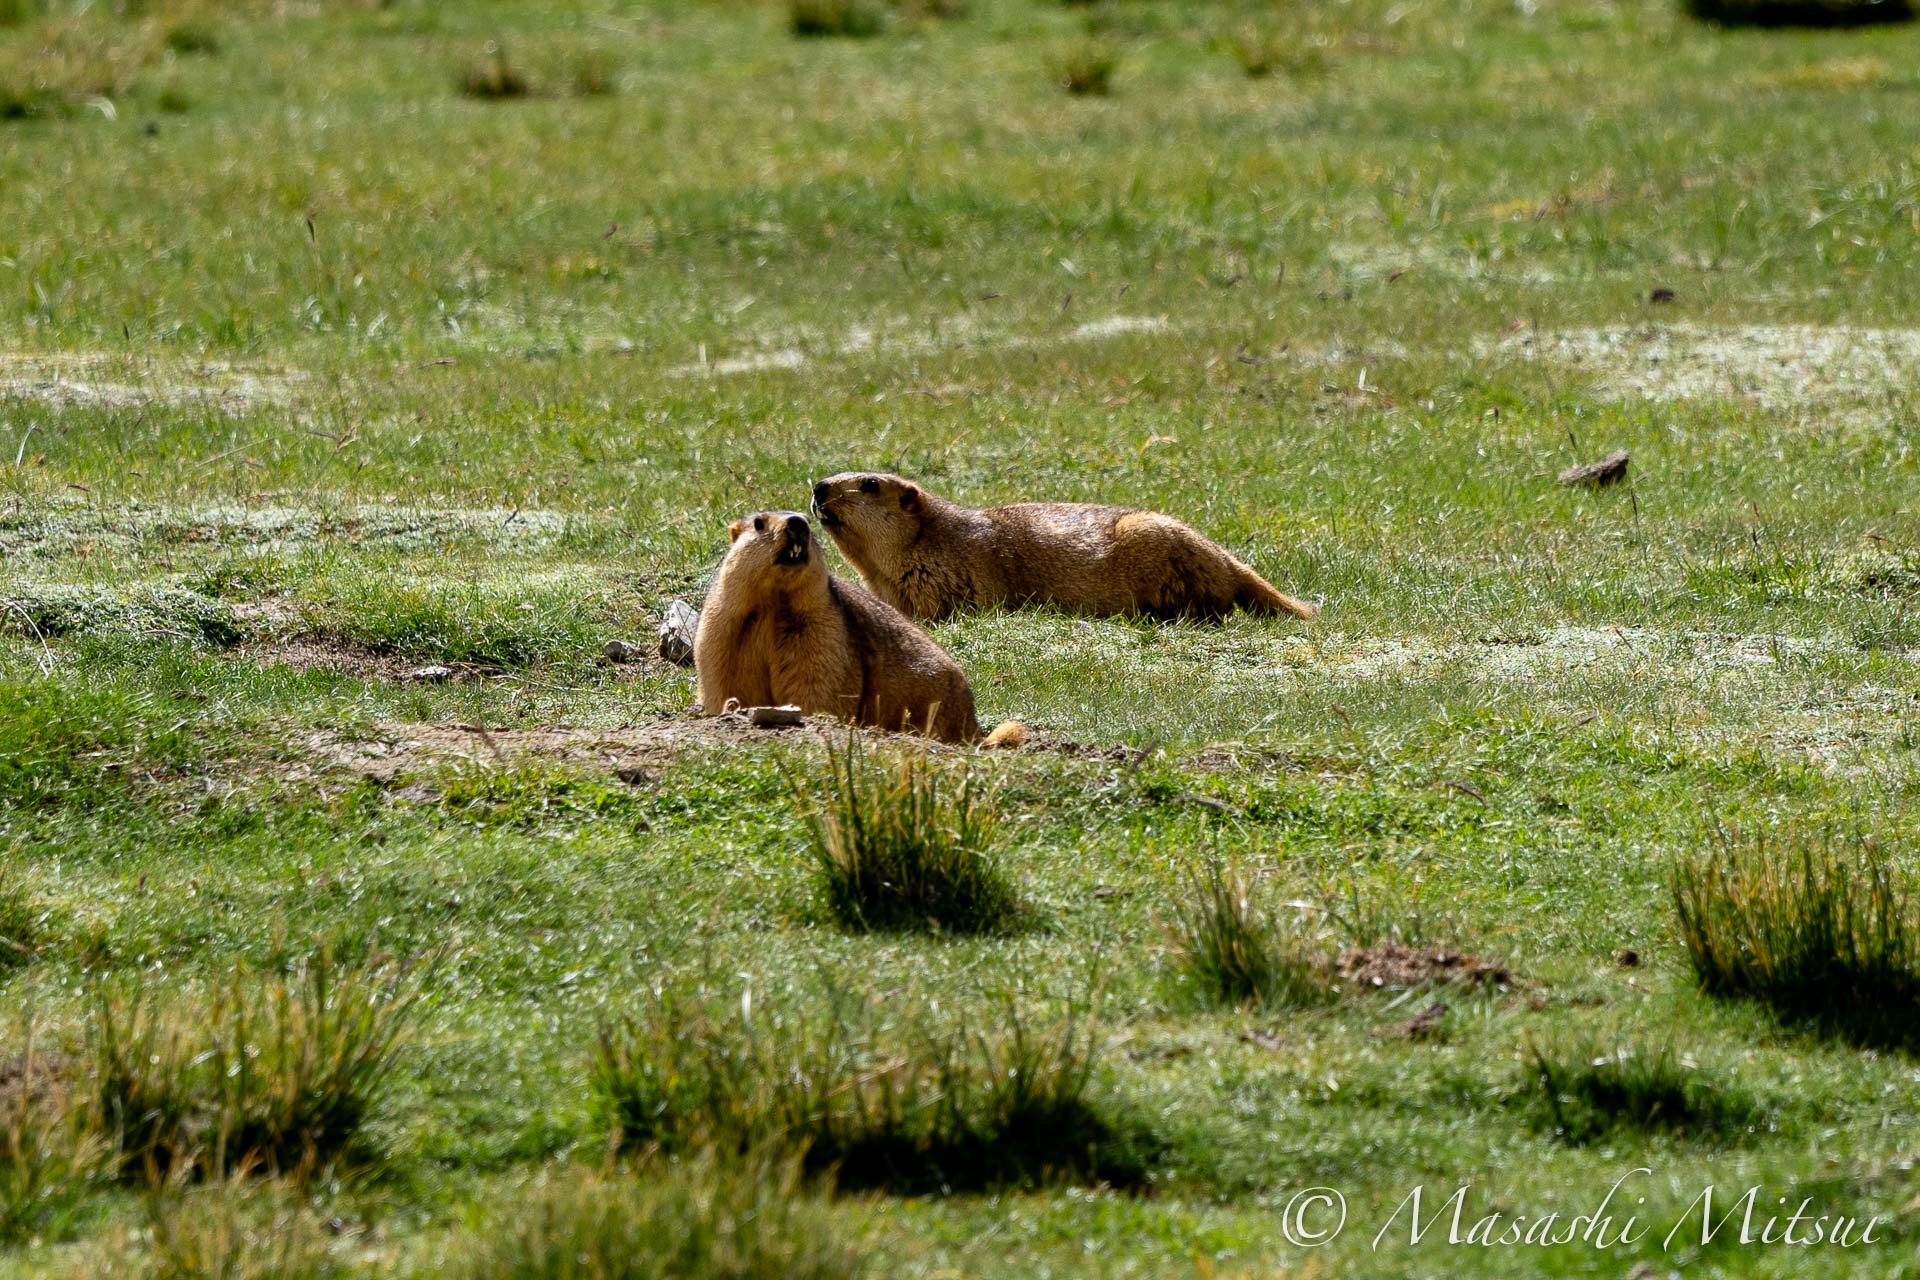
(338, 339)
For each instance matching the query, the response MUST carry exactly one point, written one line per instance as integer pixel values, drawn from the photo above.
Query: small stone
(677, 632)
(621, 651)
(1425, 1025)
(775, 717)
(1605, 471)
(435, 674)
(634, 776)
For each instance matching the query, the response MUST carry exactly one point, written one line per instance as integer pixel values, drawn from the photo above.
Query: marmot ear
(910, 498)
(734, 531)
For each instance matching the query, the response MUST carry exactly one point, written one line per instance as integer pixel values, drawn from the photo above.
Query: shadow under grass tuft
(1801, 13)
(1583, 1095)
(1819, 930)
(963, 1109)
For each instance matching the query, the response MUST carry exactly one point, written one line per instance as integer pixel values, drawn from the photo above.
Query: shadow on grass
(963, 1110)
(1820, 931)
(1801, 13)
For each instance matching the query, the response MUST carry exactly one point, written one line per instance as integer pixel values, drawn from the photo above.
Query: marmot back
(927, 556)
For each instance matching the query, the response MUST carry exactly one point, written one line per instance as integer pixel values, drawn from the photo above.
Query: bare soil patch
(97, 378)
(1394, 964)
(41, 1078)
(794, 349)
(1777, 366)
(396, 750)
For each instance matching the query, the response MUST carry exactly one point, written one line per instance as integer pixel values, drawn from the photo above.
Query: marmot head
(868, 512)
(774, 542)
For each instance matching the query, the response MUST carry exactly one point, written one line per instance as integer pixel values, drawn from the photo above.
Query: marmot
(927, 556)
(776, 629)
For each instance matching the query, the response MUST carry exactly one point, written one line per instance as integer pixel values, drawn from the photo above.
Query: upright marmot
(927, 556)
(778, 629)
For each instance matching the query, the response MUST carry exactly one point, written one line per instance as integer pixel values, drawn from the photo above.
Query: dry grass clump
(48, 1160)
(1086, 68)
(903, 842)
(965, 1109)
(731, 1219)
(931, 10)
(22, 919)
(492, 76)
(235, 1230)
(62, 65)
(276, 1080)
(1264, 51)
(1821, 931)
(194, 36)
(596, 74)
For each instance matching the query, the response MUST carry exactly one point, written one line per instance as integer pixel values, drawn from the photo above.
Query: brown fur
(927, 556)
(777, 629)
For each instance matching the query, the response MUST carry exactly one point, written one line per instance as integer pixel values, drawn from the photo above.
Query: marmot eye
(869, 485)
(759, 524)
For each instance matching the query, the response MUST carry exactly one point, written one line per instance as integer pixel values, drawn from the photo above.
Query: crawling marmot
(778, 629)
(927, 556)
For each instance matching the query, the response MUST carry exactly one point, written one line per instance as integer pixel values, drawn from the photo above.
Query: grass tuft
(235, 1231)
(960, 1110)
(1584, 1095)
(192, 37)
(491, 77)
(932, 10)
(852, 18)
(65, 65)
(903, 843)
(738, 1219)
(596, 74)
(1235, 950)
(1264, 51)
(280, 1080)
(1086, 68)
(48, 1164)
(1821, 932)
(21, 918)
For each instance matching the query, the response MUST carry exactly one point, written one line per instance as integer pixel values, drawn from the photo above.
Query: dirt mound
(395, 750)
(1393, 964)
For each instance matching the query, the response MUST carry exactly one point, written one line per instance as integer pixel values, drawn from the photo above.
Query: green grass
(317, 368)
(730, 1220)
